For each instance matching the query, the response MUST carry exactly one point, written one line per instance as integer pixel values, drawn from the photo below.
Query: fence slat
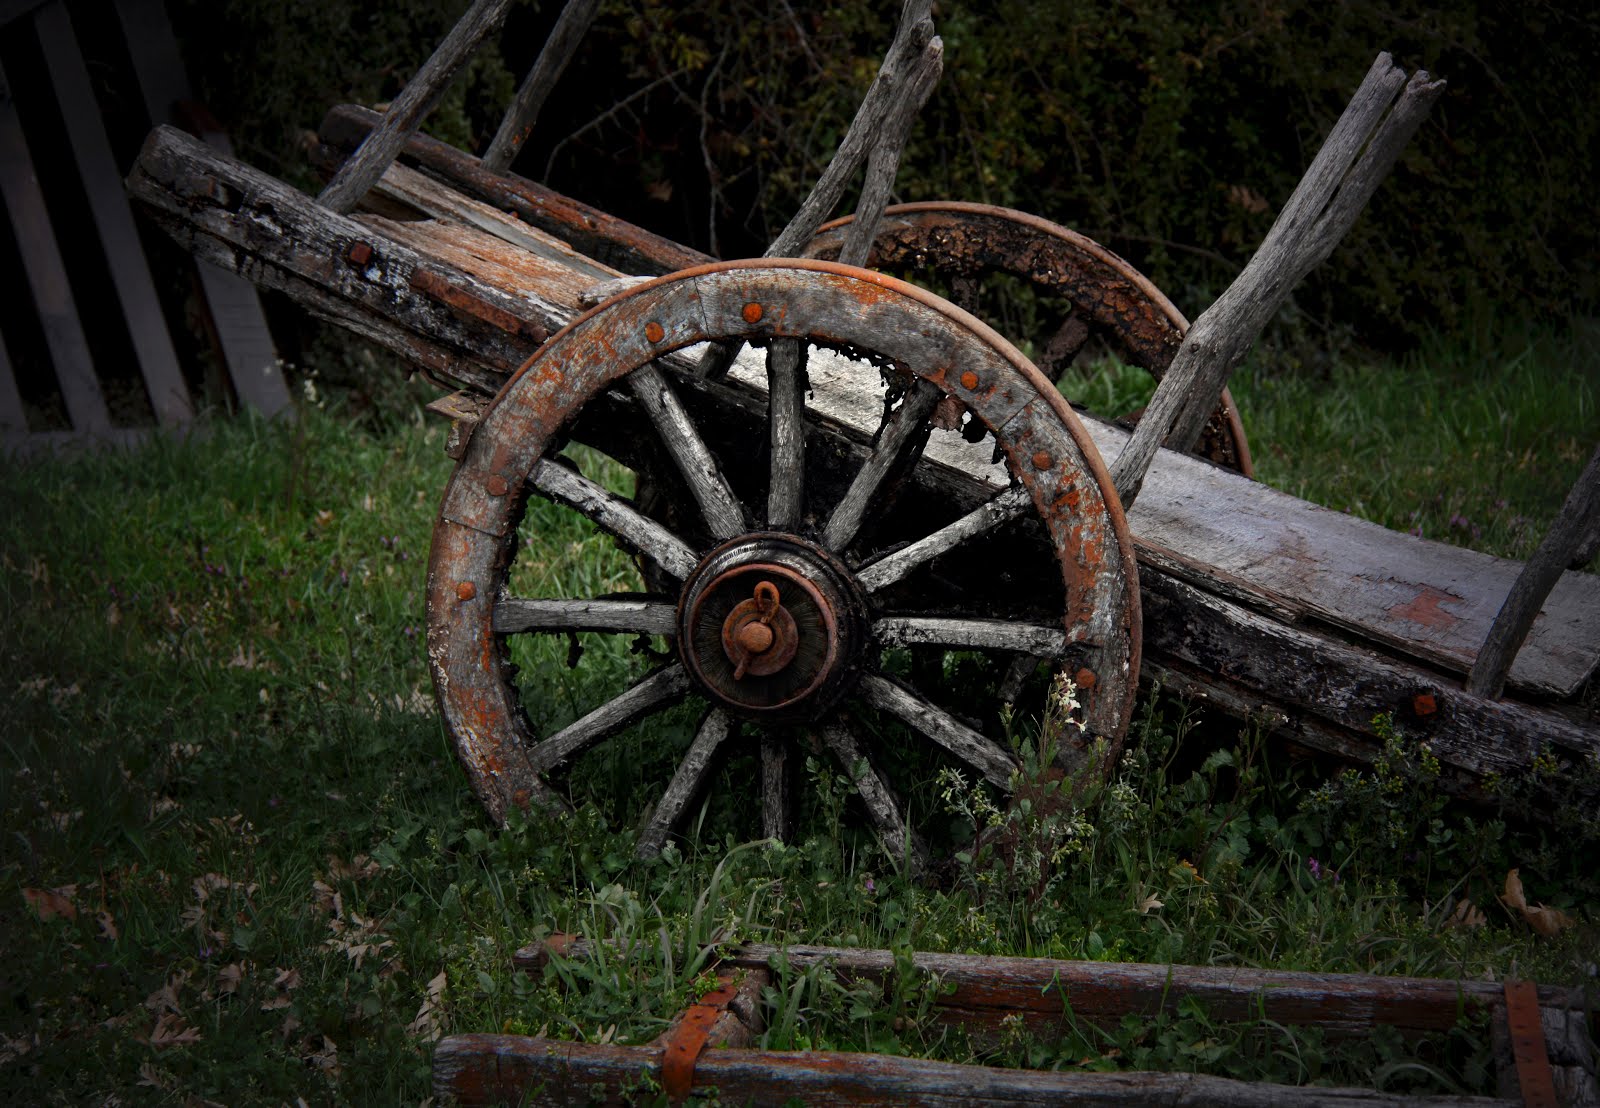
(47, 274)
(113, 219)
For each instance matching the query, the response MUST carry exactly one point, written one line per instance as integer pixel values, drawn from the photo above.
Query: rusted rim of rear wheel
(947, 355)
(962, 240)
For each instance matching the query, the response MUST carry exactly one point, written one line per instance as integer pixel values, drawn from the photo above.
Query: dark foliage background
(1172, 132)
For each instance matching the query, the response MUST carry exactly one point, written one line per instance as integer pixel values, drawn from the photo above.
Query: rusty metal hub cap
(770, 625)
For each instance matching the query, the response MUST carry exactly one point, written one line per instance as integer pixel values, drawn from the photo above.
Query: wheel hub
(771, 625)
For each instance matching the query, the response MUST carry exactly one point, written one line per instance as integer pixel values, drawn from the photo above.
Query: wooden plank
(113, 219)
(47, 274)
(231, 302)
(599, 235)
(510, 1069)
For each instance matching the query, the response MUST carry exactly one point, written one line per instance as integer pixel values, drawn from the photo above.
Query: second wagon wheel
(800, 564)
(964, 245)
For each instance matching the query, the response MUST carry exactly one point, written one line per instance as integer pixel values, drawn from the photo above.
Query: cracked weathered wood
(786, 400)
(523, 113)
(722, 511)
(1579, 515)
(660, 690)
(775, 774)
(971, 634)
(1357, 154)
(887, 814)
(901, 442)
(473, 1070)
(406, 112)
(883, 163)
(616, 517)
(513, 614)
(929, 720)
(1010, 504)
(688, 782)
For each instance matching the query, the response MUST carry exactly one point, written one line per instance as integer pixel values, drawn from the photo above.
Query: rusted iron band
(689, 1038)
(1527, 1045)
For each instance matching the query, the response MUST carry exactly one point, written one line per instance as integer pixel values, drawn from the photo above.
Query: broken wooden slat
(108, 205)
(509, 1069)
(406, 112)
(1357, 154)
(47, 275)
(576, 15)
(1579, 515)
(231, 304)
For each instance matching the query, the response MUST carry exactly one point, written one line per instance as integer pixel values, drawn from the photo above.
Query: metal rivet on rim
(752, 312)
(496, 485)
(466, 590)
(969, 380)
(654, 331)
(1042, 460)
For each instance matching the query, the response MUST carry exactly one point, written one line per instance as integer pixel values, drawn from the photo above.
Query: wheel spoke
(1020, 669)
(887, 816)
(774, 787)
(686, 783)
(974, 634)
(972, 747)
(615, 516)
(786, 403)
(655, 692)
(902, 438)
(643, 617)
(717, 503)
(985, 517)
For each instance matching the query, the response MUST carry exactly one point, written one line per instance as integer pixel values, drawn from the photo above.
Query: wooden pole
(416, 100)
(1579, 516)
(1357, 155)
(524, 111)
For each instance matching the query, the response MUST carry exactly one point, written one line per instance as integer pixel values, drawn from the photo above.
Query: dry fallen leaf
(1548, 922)
(1467, 916)
(108, 924)
(51, 904)
(171, 1030)
(427, 1026)
(1148, 904)
(230, 977)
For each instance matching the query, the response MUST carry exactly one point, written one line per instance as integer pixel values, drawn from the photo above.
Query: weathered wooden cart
(840, 470)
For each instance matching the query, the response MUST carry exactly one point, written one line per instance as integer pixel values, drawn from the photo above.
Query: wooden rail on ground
(992, 998)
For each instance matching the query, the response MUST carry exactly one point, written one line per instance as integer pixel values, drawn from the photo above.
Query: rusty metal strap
(689, 1038)
(1527, 1045)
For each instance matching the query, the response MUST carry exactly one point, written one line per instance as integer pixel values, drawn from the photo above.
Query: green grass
(239, 855)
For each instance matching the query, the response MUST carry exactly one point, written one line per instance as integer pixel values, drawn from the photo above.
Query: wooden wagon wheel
(787, 597)
(960, 243)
